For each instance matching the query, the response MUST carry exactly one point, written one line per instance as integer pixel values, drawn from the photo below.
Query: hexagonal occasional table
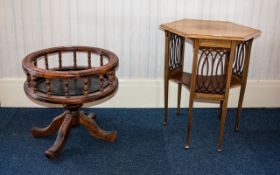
(70, 76)
(221, 55)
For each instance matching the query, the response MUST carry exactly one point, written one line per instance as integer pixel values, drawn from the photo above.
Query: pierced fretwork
(239, 59)
(211, 70)
(176, 50)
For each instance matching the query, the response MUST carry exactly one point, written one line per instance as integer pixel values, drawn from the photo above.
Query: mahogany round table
(70, 76)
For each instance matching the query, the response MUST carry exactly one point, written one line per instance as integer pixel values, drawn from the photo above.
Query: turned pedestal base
(72, 117)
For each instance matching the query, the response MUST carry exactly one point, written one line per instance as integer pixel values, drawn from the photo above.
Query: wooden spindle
(48, 87)
(66, 87)
(75, 59)
(60, 60)
(46, 62)
(111, 78)
(34, 84)
(35, 62)
(89, 59)
(85, 86)
(101, 82)
(113, 75)
(28, 80)
(101, 60)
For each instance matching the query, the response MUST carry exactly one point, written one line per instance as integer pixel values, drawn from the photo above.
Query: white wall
(130, 28)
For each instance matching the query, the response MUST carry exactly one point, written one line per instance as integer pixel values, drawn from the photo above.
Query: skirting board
(143, 93)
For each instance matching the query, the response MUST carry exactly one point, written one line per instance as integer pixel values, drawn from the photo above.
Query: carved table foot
(61, 138)
(53, 127)
(90, 124)
(64, 122)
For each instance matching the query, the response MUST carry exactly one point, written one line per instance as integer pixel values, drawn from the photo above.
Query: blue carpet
(144, 146)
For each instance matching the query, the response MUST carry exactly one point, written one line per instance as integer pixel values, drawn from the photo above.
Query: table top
(205, 29)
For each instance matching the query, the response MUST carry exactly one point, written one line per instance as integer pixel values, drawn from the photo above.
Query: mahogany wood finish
(71, 86)
(220, 62)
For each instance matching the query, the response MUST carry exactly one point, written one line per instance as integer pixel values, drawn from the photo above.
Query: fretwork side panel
(212, 68)
(176, 46)
(240, 56)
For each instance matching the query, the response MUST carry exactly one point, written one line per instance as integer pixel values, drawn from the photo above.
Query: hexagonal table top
(206, 29)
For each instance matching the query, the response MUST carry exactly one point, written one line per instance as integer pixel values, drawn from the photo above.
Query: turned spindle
(89, 59)
(111, 78)
(28, 80)
(46, 62)
(101, 82)
(48, 87)
(59, 60)
(75, 59)
(34, 84)
(101, 60)
(66, 88)
(35, 62)
(85, 86)
(113, 75)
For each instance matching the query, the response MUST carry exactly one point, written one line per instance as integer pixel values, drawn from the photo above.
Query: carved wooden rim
(30, 68)
(33, 72)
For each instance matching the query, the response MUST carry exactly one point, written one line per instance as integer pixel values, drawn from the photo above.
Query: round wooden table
(70, 76)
